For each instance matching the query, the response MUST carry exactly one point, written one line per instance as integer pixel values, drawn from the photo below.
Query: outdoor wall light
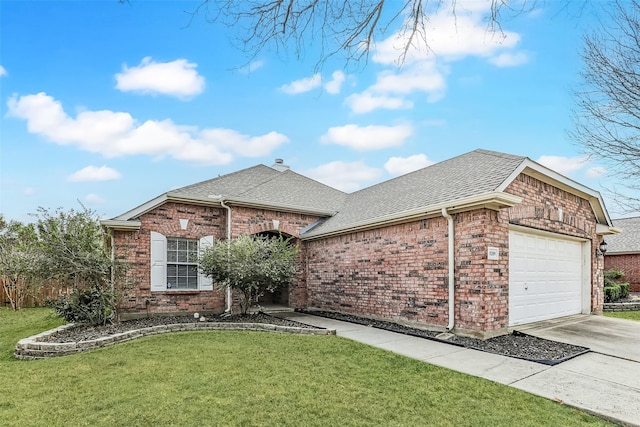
(602, 248)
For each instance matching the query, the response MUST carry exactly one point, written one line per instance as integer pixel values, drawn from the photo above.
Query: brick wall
(134, 246)
(400, 272)
(630, 264)
(540, 210)
(396, 272)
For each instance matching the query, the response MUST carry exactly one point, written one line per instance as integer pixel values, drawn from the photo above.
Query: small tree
(251, 265)
(19, 258)
(74, 253)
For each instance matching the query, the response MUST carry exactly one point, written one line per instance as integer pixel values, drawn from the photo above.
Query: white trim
(120, 225)
(544, 174)
(215, 201)
(530, 230)
(493, 200)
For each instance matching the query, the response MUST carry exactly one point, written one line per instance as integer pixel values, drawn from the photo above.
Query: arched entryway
(280, 298)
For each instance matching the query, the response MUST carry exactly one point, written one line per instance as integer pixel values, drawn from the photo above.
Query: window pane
(172, 270)
(193, 283)
(182, 257)
(182, 245)
(183, 270)
(172, 256)
(172, 244)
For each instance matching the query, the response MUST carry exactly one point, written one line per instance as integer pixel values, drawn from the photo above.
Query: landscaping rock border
(621, 306)
(36, 346)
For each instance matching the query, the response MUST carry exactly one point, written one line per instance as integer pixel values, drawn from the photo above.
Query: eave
(120, 225)
(544, 174)
(214, 200)
(493, 201)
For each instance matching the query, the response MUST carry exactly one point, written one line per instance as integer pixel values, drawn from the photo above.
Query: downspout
(229, 302)
(452, 319)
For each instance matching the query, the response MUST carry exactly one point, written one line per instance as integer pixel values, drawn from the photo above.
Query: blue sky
(112, 105)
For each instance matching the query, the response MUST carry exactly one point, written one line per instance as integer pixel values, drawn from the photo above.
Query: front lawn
(218, 378)
(631, 315)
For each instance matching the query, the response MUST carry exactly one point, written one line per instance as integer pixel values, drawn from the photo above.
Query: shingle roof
(626, 241)
(266, 185)
(473, 173)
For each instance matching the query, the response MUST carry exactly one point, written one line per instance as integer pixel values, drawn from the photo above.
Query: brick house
(623, 251)
(475, 244)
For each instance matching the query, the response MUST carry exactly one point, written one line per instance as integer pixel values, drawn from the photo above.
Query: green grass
(631, 315)
(217, 378)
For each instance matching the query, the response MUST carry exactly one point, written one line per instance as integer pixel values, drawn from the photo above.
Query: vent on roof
(280, 166)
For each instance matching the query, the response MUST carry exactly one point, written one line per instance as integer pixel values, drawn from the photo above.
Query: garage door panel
(545, 277)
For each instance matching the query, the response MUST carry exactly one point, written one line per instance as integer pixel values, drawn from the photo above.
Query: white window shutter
(158, 262)
(205, 282)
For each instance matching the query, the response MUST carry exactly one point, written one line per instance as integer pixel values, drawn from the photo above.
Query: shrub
(611, 293)
(93, 306)
(612, 276)
(624, 290)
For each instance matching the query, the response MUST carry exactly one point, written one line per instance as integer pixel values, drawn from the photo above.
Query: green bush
(624, 290)
(612, 276)
(611, 293)
(92, 306)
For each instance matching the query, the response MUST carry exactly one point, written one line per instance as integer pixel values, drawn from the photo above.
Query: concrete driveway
(612, 337)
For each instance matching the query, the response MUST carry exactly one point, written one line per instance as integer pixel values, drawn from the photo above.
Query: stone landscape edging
(30, 348)
(621, 306)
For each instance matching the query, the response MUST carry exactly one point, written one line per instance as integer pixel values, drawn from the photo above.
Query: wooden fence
(50, 290)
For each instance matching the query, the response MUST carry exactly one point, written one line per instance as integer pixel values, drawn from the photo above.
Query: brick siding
(134, 247)
(397, 272)
(630, 264)
(400, 272)
(539, 210)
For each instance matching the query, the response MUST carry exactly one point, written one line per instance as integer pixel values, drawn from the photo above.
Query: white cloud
(365, 138)
(116, 134)
(94, 199)
(3, 71)
(302, 85)
(93, 173)
(176, 78)
(402, 165)
(563, 165)
(390, 87)
(345, 176)
(29, 191)
(449, 37)
(251, 67)
(366, 102)
(595, 172)
(334, 86)
(426, 65)
(508, 59)
(422, 77)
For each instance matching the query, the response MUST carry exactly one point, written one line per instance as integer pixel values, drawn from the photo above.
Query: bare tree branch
(607, 111)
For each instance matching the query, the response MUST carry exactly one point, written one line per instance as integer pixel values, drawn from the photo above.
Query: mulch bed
(85, 333)
(516, 344)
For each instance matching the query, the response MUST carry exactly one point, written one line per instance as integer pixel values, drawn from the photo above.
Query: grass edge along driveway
(629, 315)
(250, 379)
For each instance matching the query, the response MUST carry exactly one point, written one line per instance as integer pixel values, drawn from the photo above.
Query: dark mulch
(85, 333)
(517, 344)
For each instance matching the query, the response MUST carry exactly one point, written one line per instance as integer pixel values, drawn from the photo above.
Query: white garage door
(545, 277)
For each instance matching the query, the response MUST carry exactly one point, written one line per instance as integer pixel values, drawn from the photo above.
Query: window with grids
(182, 263)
